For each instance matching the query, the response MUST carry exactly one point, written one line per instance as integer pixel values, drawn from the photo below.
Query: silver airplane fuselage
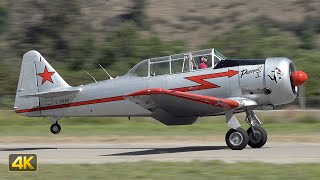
(168, 89)
(107, 98)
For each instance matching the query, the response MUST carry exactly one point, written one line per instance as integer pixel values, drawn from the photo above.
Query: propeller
(298, 78)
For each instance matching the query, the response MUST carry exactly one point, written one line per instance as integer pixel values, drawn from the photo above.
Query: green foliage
(3, 73)
(308, 61)
(83, 54)
(71, 45)
(51, 33)
(126, 47)
(308, 119)
(305, 30)
(121, 46)
(254, 42)
(59, 14)
(3, 18)
(308, 40)
(143, 170)
(12, 124)
(8, 83)
(311, 23)
(138, 14)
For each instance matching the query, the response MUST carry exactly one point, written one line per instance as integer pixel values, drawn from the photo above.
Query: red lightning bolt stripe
(205, 84)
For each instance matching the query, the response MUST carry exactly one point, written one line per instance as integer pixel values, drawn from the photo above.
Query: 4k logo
(23, 162)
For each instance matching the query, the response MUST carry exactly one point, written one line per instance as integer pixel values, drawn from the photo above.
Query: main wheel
(237, 139)
(257, 137)
(55, 128)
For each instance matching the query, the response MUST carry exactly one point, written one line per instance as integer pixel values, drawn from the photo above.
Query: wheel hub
(255, 137)
(236, 138)
(55, 128)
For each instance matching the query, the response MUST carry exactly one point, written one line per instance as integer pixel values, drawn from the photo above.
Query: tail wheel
(237, 139)
(55, 128)
(257, 137)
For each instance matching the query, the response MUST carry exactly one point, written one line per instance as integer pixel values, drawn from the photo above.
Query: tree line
(71, 46)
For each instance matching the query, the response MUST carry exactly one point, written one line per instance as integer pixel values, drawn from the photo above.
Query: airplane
(173, 89)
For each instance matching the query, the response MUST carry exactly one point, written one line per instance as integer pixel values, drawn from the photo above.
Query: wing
(183, 104)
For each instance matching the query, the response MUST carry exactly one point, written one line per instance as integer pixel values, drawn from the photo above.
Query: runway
(114, 152)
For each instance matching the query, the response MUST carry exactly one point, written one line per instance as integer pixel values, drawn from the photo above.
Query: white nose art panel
(251, 77)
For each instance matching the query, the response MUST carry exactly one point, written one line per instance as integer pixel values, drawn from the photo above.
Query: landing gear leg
(55, 128)
(236, 138)
(257, 135)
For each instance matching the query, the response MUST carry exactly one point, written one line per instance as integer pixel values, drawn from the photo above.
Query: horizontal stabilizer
(54, 93)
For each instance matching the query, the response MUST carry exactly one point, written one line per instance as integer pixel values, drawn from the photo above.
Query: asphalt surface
(113, 152)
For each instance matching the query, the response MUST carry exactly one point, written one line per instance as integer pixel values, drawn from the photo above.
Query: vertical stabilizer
(36, 76)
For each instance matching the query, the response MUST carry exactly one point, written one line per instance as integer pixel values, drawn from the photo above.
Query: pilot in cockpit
(203, 63)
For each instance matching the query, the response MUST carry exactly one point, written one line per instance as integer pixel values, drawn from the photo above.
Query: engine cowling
(282, 80)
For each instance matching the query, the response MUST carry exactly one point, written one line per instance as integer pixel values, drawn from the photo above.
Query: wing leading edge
(214, 101)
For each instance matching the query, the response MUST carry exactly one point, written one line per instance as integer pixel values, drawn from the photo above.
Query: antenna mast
(91, 76)
(105, 71)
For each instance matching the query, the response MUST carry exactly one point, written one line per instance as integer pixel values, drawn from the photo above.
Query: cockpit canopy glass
(177, 63)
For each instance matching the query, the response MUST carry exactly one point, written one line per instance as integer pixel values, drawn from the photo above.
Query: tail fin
(36, 76)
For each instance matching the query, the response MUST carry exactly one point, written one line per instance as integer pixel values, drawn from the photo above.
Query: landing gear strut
(237, 138)
(55, 128)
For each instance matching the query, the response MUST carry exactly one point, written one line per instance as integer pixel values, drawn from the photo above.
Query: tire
(259, 139)
(237, 139)
(55, 128)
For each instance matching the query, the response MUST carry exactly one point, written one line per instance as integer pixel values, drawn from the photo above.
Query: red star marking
(46, 75)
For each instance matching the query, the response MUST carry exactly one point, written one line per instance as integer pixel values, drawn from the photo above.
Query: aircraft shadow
(138, 151)
(49, 148)
(169, 150)
(26, 149)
